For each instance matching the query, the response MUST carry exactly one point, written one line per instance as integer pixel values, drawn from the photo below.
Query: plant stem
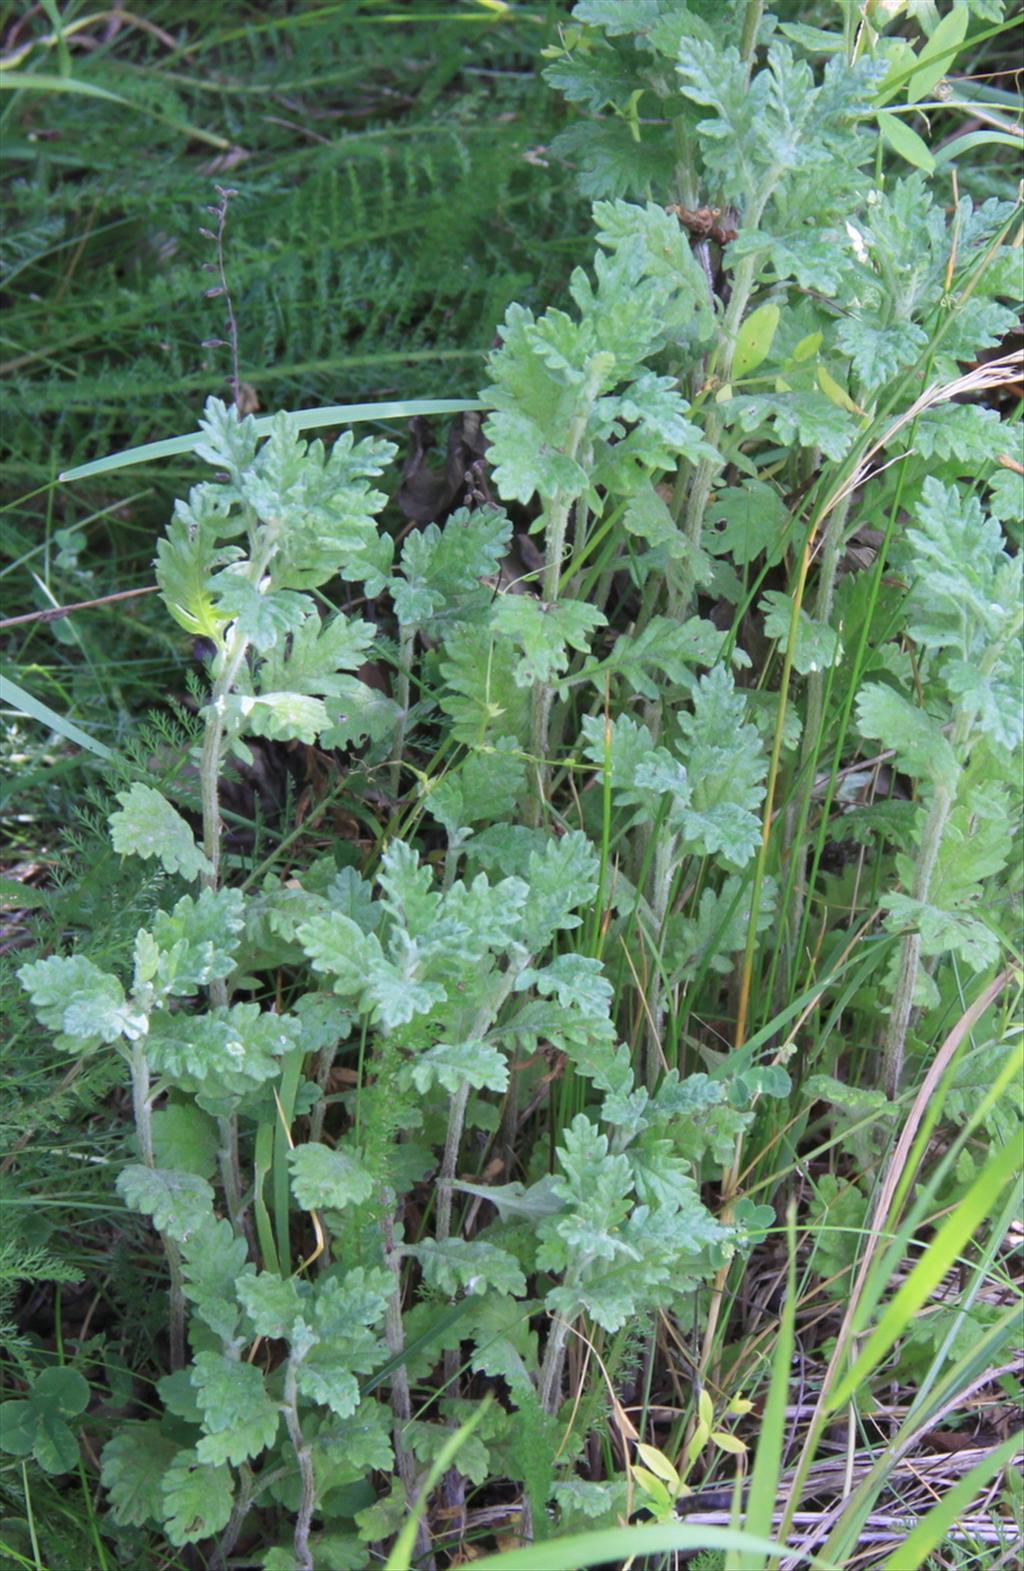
(304, 1458)
(550, 1383)
(910, 952)
(209, 773)
(405, 657)
(231, 1170)
(210, 766)
(556, 526)
(239, 1511)
(449, 1163)
(664, 871)
(143, 1116)
(394, 1337)
(485, 1018)
(748, 37)
(797, 814)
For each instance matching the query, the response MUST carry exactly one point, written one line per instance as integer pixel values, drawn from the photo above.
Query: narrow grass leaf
(933, 1527)
(622, 1543)
(400, 1558)
(24, 703)
(306, 420)
(904, 140)
(940, 1257)
(764, 1479)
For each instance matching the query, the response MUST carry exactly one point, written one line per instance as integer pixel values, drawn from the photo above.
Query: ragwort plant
(440, 982)
(622, 753)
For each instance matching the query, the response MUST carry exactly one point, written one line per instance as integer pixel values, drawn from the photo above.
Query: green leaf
(561, 877)
(817, 646)
(442, 569)
(222, 1055)
(147, 825)
(325, 1178)
(132, 1469)
(545, 633)
(358, 713)
(187, 554)
(725, 766)
(577, 981)
(37, 1425)
(330, 1385)
(879, 353)
(310, 660)
(272, 1303)
(451, 1065)
(473, 1264)
(482, 697)
(904, 140)
(753, 519)
(485, 787)
(75, 998)
(214, 1269)
(19, 1425)
(185, 1138)
(177, 1203)
(969, 433)
(409, 888)
(240, 1419)
(754, 339)
(193, 944)
(197, 1499)
(938, 56)
(797, 419)
(920, 745)
(263, 616)
(943, 930)
(284, 717)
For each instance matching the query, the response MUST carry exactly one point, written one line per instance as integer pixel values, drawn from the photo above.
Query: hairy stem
(239, 1511)
(550, 1383)
(401, 1398)
(797, 814)
(666, 846)
(143, 1115)
(748, 36)
(405, 657)
(910, 952)
(304, 1458)
(555, 529)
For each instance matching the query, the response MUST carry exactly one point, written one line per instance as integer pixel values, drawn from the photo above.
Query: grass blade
(939, 1258)
(307, 419)
(34, 709)
(764, 1480)
(932, 1528)
(624, 1543)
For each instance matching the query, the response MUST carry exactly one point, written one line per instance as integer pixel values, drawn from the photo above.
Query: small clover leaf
(37, 1427)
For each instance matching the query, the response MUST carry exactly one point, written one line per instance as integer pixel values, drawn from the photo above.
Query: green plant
(37, 1426)
(526, 1063)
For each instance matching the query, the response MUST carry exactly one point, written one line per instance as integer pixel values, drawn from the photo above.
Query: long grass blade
(938, 1259)
(764, 1479)
(306, 419)
(34, 709)
(623, 1543)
